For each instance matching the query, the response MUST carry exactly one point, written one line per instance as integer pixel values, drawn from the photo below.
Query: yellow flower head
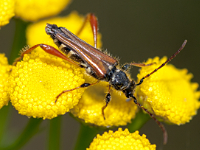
(118, 112)
(168, 93)
(38, 79)
(6, 11)
(33, 10)
(4, 74)
(36, 32)
(121, 140)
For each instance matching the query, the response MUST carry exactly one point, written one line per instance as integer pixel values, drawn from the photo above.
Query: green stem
(54, 133)
(140, 119)
(19, 39)
(87, 133)
(30, 130)
(85, 137)
(4, 117)
(18, 43)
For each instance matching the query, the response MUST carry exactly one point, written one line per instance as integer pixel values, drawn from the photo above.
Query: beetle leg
(81, 86)
(94, 24)
(128, 66)
(108, 98)
(47, 48)
(141, 64)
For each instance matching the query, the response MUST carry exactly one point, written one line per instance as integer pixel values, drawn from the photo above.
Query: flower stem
(30, 130)
(4, 117)
(85, 137)
(19, 39)
(140, 119)
(54, 133)
(33, 124)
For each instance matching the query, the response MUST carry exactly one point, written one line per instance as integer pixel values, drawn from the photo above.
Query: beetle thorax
(119, 80)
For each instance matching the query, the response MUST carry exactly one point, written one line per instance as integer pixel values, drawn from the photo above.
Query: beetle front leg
(108, 98)
(126, 67)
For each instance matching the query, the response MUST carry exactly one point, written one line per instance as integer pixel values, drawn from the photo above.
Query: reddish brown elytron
(96, 63)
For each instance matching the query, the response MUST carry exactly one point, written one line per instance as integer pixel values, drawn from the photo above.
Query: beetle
(96, 63)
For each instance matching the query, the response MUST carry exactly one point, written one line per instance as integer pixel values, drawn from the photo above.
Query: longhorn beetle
(96, 63)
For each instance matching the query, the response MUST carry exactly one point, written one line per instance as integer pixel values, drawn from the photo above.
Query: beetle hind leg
(47, 48)
(94, 25)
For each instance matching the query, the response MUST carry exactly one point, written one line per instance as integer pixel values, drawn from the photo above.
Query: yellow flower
(4, 74)
(33, 10)
(169, 93)
(38, 79)
(36, 32)
(121, 140)
(118, 112)
(6, 11)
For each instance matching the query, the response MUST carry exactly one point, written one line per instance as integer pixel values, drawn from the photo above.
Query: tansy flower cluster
(169, 93)
(121, 140)
(30, 10)
(38, 79)
(34, 83)
(160, 93)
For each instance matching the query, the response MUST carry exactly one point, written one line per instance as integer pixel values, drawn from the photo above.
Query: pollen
(4, 75)
(118, 112)
(121, 140)
(36, 81)
(36, 32)
(33, 10)
(169, 93)
(6, 11)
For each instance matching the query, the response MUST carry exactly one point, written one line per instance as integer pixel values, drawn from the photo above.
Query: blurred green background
(134, 30)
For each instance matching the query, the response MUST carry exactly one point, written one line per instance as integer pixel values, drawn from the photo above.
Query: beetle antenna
(165, 136)
(168, 60)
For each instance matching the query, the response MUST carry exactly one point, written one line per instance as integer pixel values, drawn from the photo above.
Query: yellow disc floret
(118, 112)
(36, 81)
(121, 140)
(6, 11)
(4, 74)
(36, 32)
(169, 93)
(33, 10)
